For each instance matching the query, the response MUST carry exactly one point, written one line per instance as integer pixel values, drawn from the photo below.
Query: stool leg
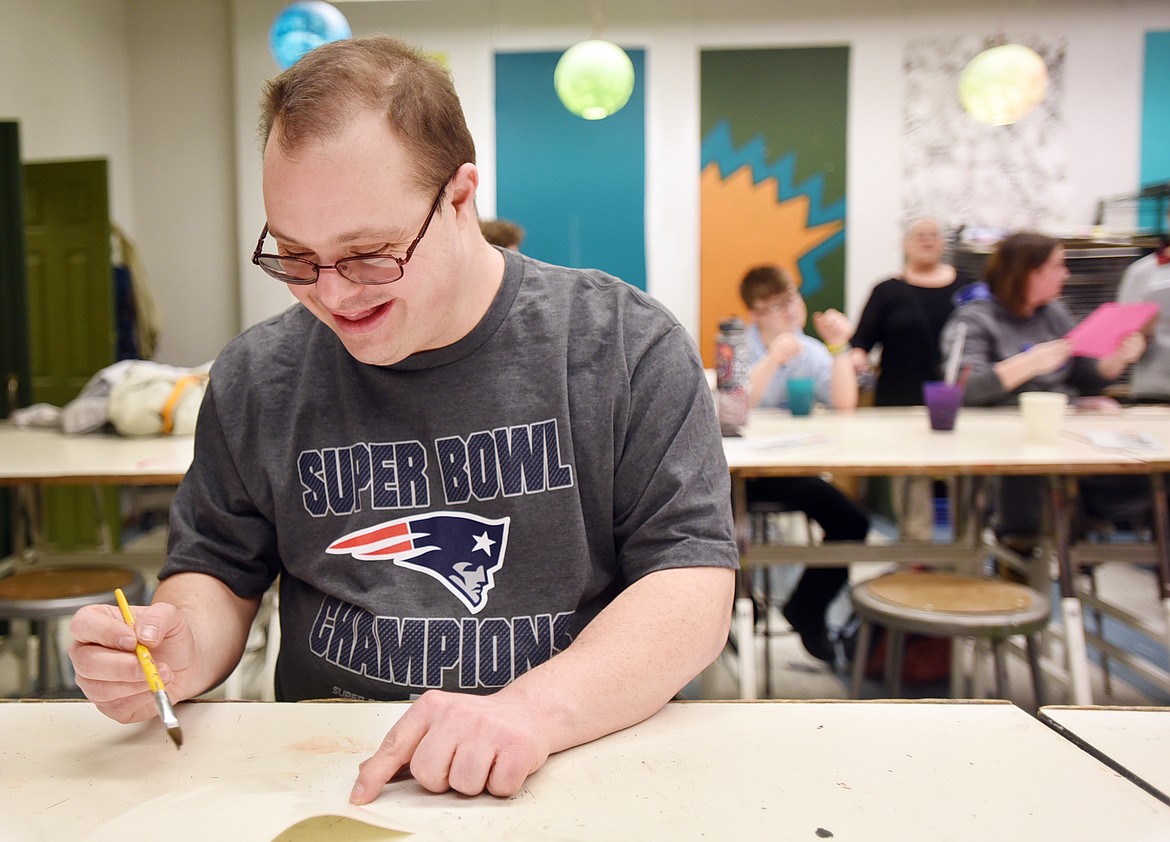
(895, 655)
(1033, 643)
(1099, 619)
(1001, 676)
(767, 632)
(978, 684)
(860, 656)
(959, 661)
(19, 634)
(45, 631)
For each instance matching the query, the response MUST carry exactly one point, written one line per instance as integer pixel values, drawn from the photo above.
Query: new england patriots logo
(463, 551)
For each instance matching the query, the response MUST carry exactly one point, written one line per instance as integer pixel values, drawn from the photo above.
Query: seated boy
(779, 349)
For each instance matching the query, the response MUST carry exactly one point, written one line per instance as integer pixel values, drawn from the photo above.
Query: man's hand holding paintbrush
(190, 659)
(166, 711)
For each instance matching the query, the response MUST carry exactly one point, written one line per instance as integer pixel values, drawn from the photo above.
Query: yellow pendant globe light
(594, 79)
(1002, 84)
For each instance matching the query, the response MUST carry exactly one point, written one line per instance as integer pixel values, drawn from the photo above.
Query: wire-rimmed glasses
(361, 268)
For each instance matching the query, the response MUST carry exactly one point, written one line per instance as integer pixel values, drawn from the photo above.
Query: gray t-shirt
(457, 518)
(1148, 279)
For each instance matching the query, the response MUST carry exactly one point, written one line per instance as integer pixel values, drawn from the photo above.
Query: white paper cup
(1043, 414)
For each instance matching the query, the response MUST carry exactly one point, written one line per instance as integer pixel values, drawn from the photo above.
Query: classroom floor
(797, 675)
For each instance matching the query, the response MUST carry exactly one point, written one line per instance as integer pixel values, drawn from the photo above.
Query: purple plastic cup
(942, 402)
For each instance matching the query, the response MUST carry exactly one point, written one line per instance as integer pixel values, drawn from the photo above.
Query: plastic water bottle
(732, 376)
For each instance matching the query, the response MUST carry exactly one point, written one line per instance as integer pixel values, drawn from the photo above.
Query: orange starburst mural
(744, 224)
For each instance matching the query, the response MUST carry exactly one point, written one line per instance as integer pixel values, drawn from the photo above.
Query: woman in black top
(904, 316)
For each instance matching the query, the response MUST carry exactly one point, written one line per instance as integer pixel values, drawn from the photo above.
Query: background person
(434, 406)
(1148, 279)
(779, 349)
(903, 319)
(503, 233)
(1015, 343)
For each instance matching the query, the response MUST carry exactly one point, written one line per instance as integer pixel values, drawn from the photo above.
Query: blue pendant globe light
(1002, 84)
(594, 79)
(303, 26)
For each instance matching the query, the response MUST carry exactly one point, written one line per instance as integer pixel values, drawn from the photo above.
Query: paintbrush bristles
(169, 720)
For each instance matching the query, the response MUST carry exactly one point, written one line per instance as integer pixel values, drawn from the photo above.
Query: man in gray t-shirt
(479, 478)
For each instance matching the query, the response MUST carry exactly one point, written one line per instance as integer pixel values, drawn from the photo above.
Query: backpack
(925, 659)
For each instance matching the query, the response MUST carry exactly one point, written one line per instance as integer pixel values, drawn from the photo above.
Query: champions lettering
(414, 652)
(524, 459)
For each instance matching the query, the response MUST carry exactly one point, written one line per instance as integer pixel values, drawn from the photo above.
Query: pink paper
(1100, 332)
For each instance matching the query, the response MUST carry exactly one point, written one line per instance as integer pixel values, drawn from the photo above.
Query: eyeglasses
(361, 268)
(783, 304)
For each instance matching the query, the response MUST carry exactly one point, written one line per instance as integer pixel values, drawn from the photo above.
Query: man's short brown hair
(317, 97)
(764, 282)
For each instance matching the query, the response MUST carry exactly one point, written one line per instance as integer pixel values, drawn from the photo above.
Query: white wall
(184, 187)
(146, 86)
(1102, 98)
(65, 76)
(167, 90)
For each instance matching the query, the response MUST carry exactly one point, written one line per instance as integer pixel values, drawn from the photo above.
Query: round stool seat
(951, 604)
(57, 591)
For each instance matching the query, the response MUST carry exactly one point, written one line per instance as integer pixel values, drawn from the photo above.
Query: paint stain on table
(328, 745)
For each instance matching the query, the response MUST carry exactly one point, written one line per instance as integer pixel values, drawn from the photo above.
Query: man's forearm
(219, 622)
(625, 665)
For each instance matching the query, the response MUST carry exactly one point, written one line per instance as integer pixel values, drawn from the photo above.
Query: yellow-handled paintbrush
(165, 711)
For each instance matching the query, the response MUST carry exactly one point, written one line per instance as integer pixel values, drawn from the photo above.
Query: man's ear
(464, 185)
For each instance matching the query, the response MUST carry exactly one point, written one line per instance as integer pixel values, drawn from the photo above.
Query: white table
(985, 442)
(49, 457)
(32, 459)
(767, 770)
(1133, 741)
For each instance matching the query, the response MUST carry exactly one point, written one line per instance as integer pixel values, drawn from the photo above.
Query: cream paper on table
(247, 809)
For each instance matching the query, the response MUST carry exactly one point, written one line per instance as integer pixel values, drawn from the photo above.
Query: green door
(70, 310)
(14, 376)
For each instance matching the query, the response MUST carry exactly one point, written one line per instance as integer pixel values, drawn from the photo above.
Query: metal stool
(43, 596)
(948, 605)
(764, 514)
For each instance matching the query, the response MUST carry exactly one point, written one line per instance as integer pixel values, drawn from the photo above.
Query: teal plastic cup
(801, 395)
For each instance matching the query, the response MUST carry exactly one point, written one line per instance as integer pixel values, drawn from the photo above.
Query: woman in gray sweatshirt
(1015, 342)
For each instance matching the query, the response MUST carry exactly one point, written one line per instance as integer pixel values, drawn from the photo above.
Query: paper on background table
(1119, 439)
(1100, 332)
(248, 809)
